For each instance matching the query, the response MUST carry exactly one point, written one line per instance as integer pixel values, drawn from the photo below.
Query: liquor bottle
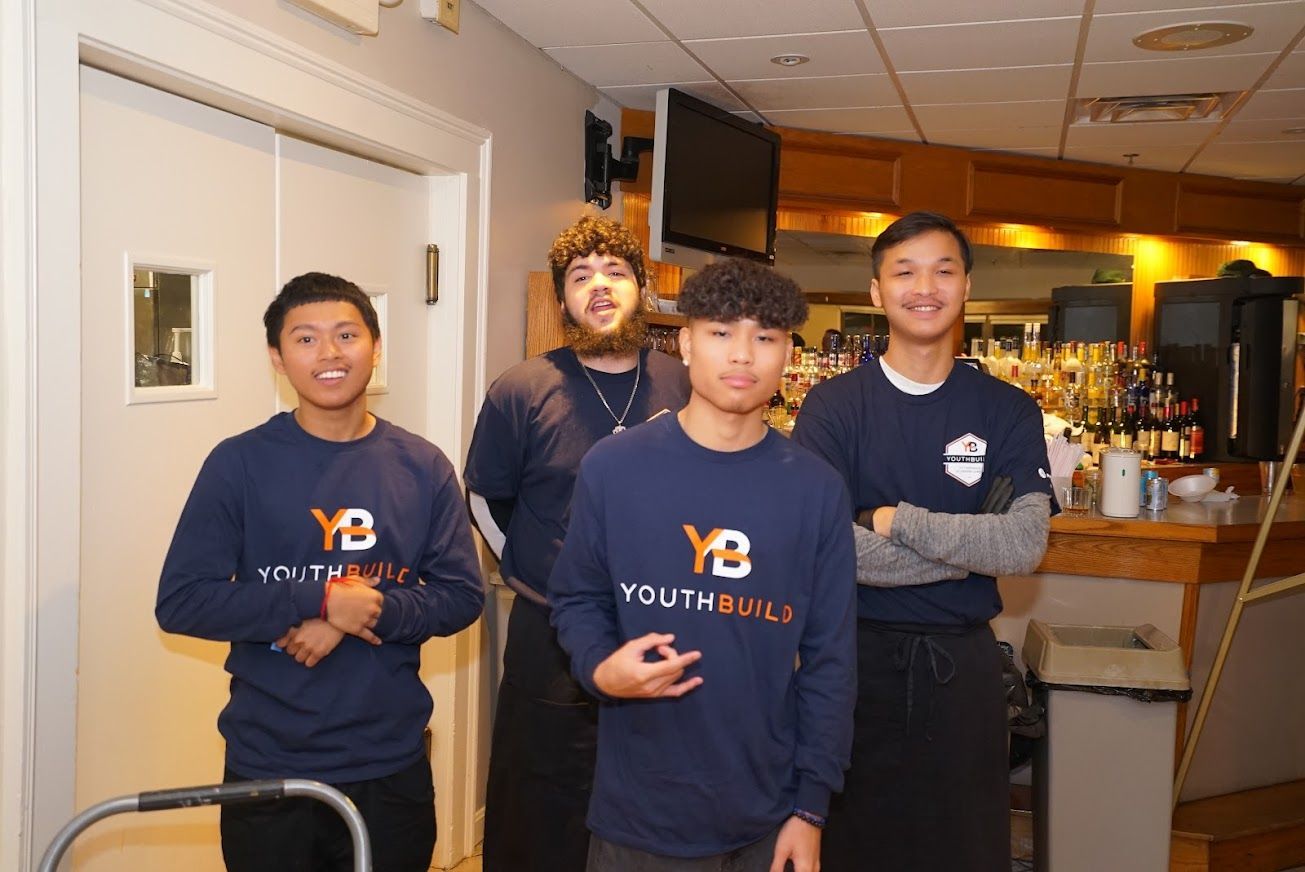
(1072, 401)
(1197, 447)
(1146, 421)
(1101, 435)
(1169, 433)
(1184, 433)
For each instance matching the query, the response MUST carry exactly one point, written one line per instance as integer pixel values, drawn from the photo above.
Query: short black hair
(589, 235)
(316, 287)
(734, 289)
(917, 224)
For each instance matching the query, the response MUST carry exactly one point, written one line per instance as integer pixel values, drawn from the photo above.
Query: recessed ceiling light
(1193, 36)
(789, 60)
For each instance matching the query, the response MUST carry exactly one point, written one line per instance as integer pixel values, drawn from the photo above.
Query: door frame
(195, 50)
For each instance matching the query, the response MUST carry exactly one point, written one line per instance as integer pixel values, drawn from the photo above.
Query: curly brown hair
(734, 289)
(590, 235)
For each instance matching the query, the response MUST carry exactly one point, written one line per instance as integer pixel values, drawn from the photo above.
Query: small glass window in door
(163, 315)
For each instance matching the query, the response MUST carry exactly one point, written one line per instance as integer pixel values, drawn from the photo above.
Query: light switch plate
(445, 13)
(359, 16)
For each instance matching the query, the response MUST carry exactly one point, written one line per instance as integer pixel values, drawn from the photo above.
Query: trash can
(1103, 775)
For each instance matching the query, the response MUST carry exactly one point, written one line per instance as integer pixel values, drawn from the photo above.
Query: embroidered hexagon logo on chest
(963, 459)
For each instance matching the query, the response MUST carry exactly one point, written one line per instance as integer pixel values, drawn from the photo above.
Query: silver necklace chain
(620, 422)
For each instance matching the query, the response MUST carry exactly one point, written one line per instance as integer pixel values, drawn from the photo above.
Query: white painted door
(177, 186)
(168, 182)
(367, 222)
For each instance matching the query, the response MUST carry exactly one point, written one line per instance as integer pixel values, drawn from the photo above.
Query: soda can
(1144, 498)
(1157, 494)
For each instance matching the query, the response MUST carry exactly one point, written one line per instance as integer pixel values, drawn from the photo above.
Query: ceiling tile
(985, 116)
(729, 18)
(574, 22)
(987, 86)
(1184, 75)
(1169, 158)
(750, 116)
(1001, 139)
(1252, 159)
(645, 96)
(1131, 137)
(1290, 73)
(1111, 36)
(822, 93)
(1274, 104)
(1104, 7)
(1264, 130)
(638, 63)
(883, 120)
(982, 46)
(894, 13)
(832, 54)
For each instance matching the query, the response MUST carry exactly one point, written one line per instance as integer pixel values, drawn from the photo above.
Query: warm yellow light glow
(1240, 242)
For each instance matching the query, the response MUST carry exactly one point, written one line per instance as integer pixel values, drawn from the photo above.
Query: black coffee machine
(1231, 343)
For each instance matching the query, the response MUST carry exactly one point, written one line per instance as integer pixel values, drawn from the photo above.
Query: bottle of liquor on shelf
(1196, 445)
(1184, 433)
(1169, 434)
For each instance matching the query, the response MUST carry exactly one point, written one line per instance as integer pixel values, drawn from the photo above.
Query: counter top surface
(1193, 543)
(1234, 521)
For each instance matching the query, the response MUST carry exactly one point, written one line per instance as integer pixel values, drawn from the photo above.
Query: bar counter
(1180, 570)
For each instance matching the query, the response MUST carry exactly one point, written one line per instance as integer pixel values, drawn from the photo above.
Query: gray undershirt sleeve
(1008, 544)
(881, 562)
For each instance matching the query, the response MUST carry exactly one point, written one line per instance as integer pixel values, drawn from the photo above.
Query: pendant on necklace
(618, 428)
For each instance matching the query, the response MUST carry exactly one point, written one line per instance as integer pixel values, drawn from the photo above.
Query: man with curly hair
(538, 420)
(705, 594)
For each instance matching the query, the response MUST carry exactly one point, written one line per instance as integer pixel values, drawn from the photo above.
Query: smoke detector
(1193, 36)
(1165, 107)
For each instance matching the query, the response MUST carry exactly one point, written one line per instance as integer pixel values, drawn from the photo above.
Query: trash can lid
(1104, 656)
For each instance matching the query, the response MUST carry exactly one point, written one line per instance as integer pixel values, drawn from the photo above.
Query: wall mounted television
(715, 185)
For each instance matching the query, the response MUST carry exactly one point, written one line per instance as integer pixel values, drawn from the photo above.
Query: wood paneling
(1043, 194)
(543, 315)
(1270, 213)
(826, 175)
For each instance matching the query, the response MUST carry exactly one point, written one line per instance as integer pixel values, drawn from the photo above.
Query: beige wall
(490, 77)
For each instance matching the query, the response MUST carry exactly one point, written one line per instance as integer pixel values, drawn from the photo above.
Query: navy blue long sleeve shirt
(747, 557)
(274, 514)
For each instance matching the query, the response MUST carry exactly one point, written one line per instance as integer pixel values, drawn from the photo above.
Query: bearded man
(539, 418)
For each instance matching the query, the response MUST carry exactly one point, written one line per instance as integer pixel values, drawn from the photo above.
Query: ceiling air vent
(1167, 107)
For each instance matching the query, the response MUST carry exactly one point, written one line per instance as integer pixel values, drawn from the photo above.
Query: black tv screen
(715, 182)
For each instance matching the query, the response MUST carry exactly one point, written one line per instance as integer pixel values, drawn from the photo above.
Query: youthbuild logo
(728, 550)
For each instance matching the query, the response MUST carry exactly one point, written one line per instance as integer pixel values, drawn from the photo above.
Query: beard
(627, 338)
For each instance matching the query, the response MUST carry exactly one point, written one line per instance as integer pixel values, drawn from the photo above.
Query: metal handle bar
(217, 794)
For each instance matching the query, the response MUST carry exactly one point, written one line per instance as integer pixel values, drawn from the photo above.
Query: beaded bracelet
(812, 818)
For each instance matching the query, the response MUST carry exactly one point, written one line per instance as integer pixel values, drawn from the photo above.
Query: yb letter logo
(355, 527)
(728, 549)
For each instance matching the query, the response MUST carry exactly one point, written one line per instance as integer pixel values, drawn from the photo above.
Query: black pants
(305, 835)
(606, 856)
(541, 763)
(928, 790)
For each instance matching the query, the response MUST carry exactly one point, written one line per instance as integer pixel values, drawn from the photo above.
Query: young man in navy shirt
(326, 546)
(920, 442)
(538, 420)
(705, 593)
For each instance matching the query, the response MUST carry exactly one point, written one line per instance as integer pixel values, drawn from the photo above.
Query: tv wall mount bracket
(601, 169)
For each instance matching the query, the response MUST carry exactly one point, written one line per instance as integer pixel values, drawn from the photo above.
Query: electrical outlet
(359, 16)
(445, 13)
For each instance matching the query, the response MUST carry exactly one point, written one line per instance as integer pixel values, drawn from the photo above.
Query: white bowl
(1191, 488)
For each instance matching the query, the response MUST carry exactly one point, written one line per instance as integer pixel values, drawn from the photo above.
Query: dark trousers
(304, 835)
(606, 856)
(928, 790)
(541, 763)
